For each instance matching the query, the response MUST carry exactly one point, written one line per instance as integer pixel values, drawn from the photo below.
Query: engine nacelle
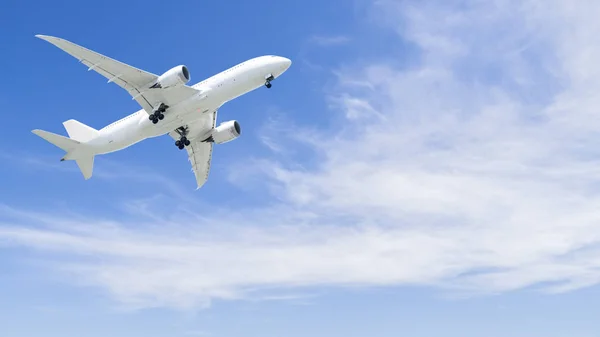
(226, 132)
(175, 76)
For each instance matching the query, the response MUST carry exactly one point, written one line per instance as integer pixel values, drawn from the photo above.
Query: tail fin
(74, 149)
(79, 131)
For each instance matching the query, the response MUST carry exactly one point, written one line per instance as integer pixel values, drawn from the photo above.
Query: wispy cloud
(334, 40)
(197, 333)
(482, 176)
(104, 168)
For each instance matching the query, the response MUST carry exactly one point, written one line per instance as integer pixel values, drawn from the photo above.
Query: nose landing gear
(268, 80)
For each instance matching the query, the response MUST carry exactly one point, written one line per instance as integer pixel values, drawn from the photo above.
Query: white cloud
(480, 173)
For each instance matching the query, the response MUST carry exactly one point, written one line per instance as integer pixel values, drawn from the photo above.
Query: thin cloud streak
(327, 41)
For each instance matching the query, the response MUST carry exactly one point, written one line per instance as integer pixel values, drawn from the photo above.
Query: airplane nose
(285, 63)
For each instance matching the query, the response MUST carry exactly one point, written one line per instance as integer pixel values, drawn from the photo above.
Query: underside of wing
(199, 152)
(138, 83)
(200, 156)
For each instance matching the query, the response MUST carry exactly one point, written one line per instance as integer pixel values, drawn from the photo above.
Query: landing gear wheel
(268, 84)
(158, 114)
(183, 142)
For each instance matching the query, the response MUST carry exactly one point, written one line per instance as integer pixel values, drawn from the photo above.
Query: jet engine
(175, 76)
(226, 131)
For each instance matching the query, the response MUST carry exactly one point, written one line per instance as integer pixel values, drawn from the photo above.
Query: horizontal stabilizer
(79, 131)
(62, 142)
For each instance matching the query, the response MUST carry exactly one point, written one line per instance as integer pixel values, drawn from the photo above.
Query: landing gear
(183, 141)
(158, 113)
(268, 80)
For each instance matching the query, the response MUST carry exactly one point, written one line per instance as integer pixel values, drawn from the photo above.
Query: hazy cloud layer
(475, 168)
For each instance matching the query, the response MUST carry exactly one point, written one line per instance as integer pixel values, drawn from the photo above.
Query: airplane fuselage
(214, 92)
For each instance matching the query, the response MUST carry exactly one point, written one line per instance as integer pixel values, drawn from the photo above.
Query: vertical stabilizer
(79, 131)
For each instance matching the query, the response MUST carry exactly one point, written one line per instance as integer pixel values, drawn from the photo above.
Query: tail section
(75, 149)
(79, 131)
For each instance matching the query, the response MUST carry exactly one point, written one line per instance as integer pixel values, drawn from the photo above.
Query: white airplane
(169, 106)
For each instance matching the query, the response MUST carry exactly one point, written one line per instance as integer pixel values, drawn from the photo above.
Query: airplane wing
(137, 82)
(199, 152)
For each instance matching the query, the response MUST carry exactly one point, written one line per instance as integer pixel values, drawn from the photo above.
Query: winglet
(51, 39)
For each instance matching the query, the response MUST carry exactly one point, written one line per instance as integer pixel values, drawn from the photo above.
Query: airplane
(169, 106)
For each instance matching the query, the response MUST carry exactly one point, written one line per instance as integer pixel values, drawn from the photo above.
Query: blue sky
(424, 168)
